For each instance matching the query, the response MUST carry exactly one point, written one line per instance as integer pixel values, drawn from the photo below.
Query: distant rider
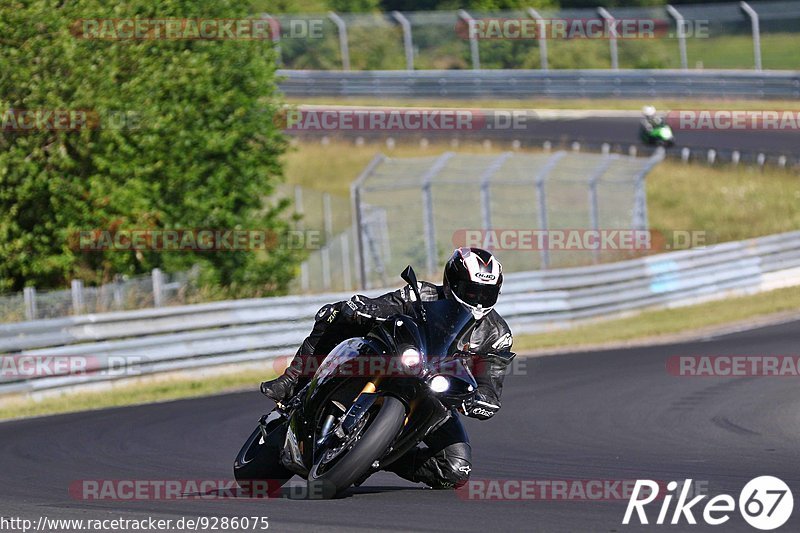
(651, 120)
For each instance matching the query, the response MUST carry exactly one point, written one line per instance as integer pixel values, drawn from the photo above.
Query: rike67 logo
(765, 503)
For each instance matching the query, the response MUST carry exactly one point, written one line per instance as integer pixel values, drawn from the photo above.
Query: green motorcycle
(658, 135)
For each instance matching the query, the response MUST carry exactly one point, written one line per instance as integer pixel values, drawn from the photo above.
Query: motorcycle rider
(651, 119)
(473, 278)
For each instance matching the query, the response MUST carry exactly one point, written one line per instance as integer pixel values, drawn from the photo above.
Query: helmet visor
(476, 294)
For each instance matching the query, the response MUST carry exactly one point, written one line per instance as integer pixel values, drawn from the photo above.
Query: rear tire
(257, 467)
(371, 445)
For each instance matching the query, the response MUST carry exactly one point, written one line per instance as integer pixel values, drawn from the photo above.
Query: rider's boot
(279, 389)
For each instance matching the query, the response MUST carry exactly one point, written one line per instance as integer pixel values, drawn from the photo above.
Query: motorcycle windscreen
(448, 321)
(345, 351)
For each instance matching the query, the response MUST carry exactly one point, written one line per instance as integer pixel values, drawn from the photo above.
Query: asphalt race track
(622, 131)
(605, 415)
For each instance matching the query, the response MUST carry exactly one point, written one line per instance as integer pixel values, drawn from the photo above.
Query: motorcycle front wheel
(337, 468)
(257, 467)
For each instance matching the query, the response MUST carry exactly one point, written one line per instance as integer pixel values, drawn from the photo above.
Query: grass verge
(156, 389)
(679, 196)
(662, 322)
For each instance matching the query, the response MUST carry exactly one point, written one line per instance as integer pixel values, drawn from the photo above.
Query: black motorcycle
(345, 425)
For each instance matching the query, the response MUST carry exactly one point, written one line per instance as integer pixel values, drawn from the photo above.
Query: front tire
(257, 467)
(370, 445)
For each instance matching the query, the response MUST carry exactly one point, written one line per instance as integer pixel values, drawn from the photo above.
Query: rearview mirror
(410, 277)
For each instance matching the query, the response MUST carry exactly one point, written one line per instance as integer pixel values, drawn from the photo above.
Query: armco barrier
(156, 340)
(519, 83)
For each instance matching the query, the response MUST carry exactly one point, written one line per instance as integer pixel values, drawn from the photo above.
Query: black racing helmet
(473, 277)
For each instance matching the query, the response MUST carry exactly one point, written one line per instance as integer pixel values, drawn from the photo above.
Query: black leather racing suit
(649, 124)
(445, 461)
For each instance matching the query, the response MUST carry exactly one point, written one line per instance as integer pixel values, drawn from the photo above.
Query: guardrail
(500, 84)
(157, 340)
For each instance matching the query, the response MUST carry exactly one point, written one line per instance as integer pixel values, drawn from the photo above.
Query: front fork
(293, 452)
(357, 410)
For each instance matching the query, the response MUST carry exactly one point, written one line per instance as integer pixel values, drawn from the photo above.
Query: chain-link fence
(137, 292)
(409, 211)
(724, 35)
(416, 210)
(324, 221)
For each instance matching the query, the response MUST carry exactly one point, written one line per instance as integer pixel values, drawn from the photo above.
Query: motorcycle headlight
(410, 357)
(439, 383)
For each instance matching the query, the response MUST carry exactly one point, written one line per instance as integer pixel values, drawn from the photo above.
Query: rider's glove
(483, 406)
(358, 311)
(489, 371)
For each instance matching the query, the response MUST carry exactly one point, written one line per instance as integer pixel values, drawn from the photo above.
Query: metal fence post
(158, 287)
(327, 216)
(541, 37)
(486, 205)
(298, 206)
(756, 32)
(116, 286)
(680, 23)
(344, 244)
(77, 296)
(325, 252)
(640, 194)
(594, 208)
(343, 47)
(29, 295)
(427, 211)
(473, 40)
(304, 277)
(408, 44)
(358, 217)
(539, 180)
(274, 34)
(612, 36)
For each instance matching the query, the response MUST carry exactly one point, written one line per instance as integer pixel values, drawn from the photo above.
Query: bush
(193, 145)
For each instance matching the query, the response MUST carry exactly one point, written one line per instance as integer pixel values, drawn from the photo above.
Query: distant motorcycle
(341, 427)
(659, 135)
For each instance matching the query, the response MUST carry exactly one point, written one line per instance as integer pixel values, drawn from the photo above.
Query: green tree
(198, 147)
(614, 3)
(476, 5)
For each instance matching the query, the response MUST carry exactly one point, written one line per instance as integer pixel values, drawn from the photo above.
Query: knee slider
(455, 465)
